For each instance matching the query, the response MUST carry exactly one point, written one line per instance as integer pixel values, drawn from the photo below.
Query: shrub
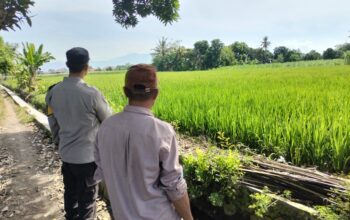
(213, 175)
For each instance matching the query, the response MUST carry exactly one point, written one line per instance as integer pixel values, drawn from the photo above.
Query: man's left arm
(171, 178)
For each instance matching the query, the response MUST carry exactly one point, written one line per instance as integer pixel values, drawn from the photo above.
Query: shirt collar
(73, 79)
(138, 110)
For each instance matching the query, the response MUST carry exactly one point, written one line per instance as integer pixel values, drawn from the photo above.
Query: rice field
(299, 111)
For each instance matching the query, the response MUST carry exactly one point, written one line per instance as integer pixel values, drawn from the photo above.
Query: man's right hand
(182, 207)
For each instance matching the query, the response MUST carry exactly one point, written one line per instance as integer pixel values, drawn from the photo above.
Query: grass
(2, 107)
(23, 116)
(297, 110)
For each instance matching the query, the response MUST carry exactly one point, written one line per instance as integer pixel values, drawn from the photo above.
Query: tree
(109, 68)
(281, 54)
(7, 58)
(126, 12)
(294, 55)
(163, 47)
(13, 13)
(265, 43)
(343, 47)
(226, 57)
(329, 54)
(312, 55)
(241, 51)
(200, 52)
(213, 55)
(262, 55)
(33, 59)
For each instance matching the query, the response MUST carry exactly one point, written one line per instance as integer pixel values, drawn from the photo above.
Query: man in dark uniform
(75, 112)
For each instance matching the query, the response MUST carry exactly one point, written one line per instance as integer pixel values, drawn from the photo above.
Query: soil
(31, 184)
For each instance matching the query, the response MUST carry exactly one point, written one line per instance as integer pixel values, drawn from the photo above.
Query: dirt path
(30, 180)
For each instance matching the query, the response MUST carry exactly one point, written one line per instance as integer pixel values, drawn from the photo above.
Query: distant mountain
(133, 58)
(130, 58)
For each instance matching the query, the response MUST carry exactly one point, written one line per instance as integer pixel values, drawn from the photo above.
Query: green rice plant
(300, 111)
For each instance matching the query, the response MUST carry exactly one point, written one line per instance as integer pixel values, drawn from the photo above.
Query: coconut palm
(265, 43)
(162, 48)
(33, 59)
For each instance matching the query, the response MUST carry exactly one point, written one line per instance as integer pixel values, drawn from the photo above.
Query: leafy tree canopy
(312, 55)
(7, 57)
(13, 13)
(126, 12)
(329, 54)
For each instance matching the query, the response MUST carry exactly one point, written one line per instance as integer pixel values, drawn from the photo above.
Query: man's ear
(126, 91)
(155, 93)
(86, 67)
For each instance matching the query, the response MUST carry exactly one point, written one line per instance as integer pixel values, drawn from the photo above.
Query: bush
(213, 175)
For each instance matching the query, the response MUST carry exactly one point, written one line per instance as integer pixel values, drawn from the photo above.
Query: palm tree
(162, 48)
(265, 43)
(33, 59)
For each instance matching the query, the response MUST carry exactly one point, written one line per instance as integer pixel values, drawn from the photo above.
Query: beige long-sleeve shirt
(137, 157)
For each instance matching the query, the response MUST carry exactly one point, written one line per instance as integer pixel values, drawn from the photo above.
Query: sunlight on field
(301, 112)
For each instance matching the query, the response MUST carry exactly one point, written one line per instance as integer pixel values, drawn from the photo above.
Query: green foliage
(343, 47)
(281, 54)
(326, 213)
(347, 57)
(13, 13)
(227, 57)
(261, 56)
(223, 141)
(330, 54)
(265, 43)
(22, 77)
(33, 59)
(339, 206)
(312, 55)
(7, 58)
(200, 51)
(213, 54)
(241, 51)
(126, 12)
(298, 110)
(262, 202)
(213, 175)
(294, 55)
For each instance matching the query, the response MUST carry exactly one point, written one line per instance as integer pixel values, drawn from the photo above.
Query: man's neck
(144, 104)
(77, 75)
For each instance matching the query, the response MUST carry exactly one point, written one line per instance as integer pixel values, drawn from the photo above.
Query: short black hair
(77, 59)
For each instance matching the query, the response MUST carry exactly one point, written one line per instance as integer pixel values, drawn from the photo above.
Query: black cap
(77, 56)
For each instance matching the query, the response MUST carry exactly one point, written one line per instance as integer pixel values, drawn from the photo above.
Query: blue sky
(303, 24)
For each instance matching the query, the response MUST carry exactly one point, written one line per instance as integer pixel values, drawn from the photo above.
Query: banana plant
(33, 59)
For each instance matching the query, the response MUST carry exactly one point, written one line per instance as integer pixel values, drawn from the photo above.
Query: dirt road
(30, 180)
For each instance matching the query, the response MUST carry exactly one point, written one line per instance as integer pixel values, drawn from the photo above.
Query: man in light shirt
(137, 156)
(75, 112)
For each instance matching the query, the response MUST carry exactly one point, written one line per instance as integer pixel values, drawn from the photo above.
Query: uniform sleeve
(54, 127)
(98, 176)
(101, 107)
(171, 176)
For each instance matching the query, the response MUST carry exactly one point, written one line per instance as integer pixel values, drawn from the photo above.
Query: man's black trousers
(80, 190)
